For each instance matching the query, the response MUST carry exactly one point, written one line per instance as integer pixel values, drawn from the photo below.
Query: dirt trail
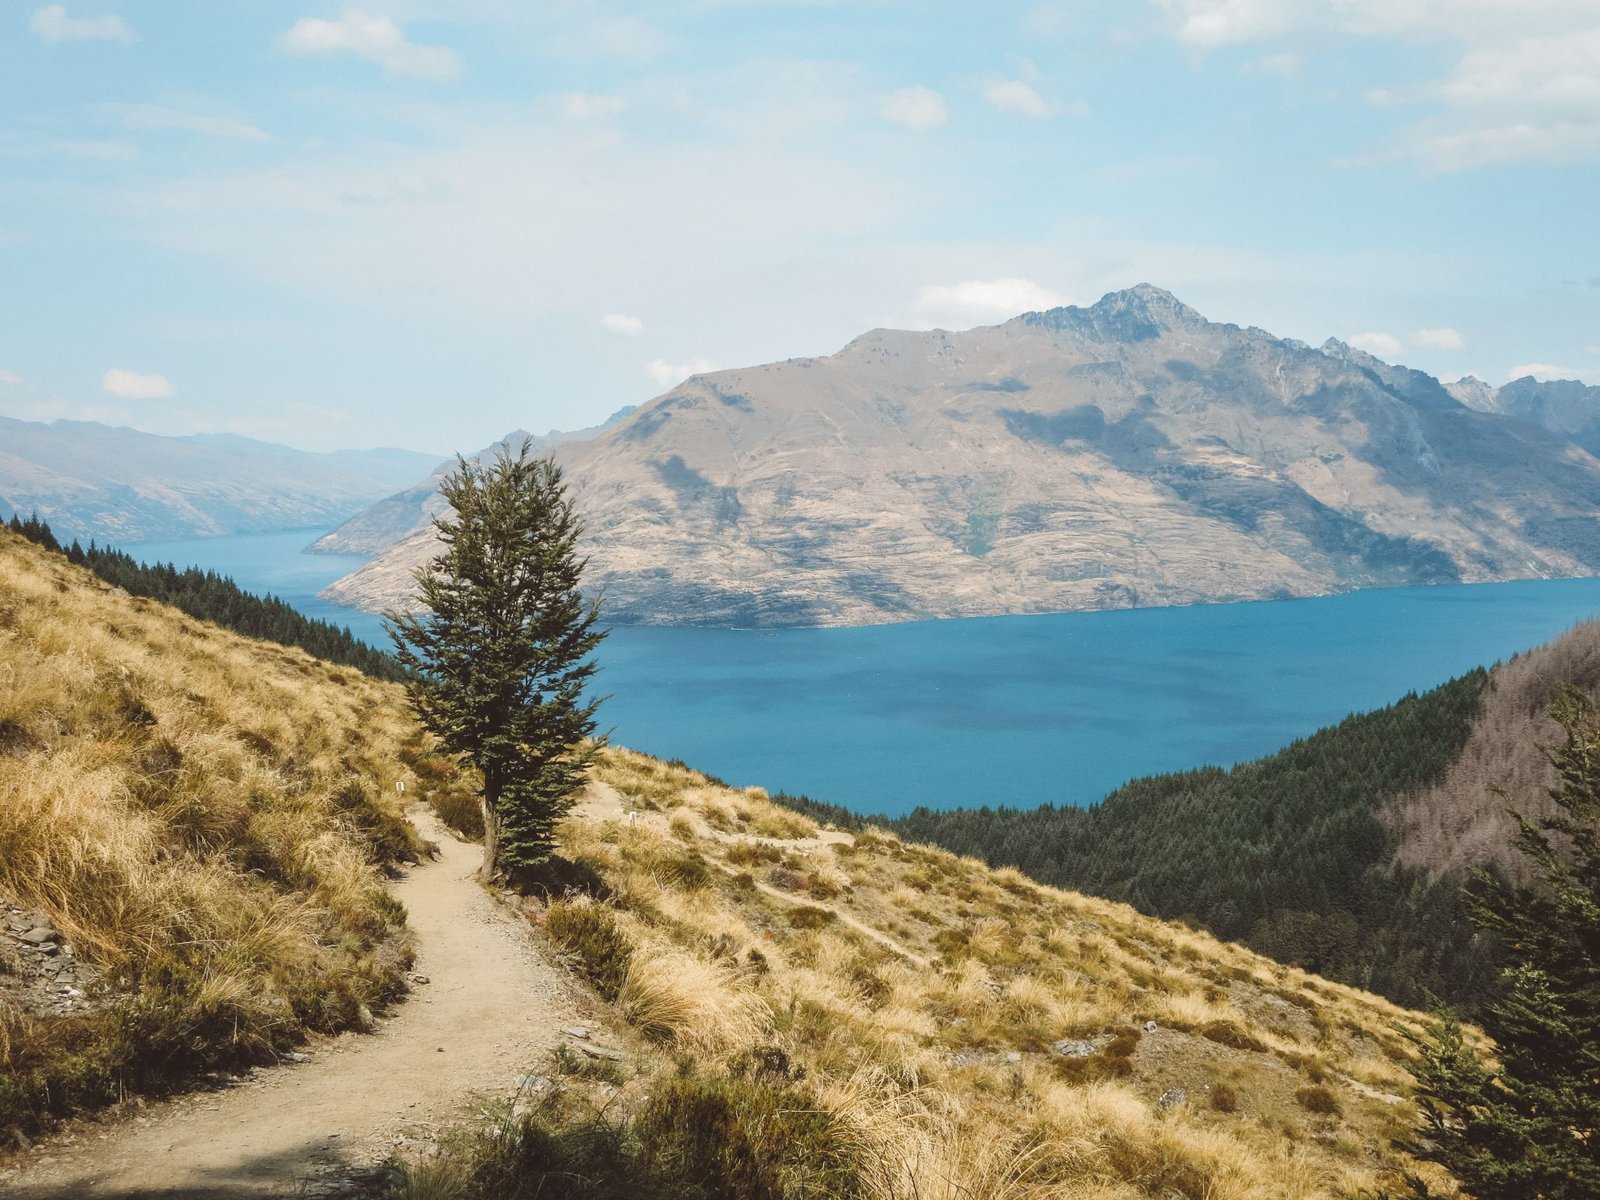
(491, 1010)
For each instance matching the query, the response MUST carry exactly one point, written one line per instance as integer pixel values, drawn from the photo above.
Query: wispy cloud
(54, 24)
(670, 375)
(1380, 345)
(589, 106)
(1526, 87)
(377, 39)
(918, 108)
(621, 324)
(1013, 95)
(979, 300)
(158, 116)
(130, 385)
(1544, 372)
(1439, 339)
(9, 378)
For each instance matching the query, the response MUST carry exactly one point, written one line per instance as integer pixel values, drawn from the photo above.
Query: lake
(998, 710)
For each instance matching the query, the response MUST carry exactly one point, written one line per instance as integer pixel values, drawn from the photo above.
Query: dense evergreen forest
(212, 597)
(1286, 854)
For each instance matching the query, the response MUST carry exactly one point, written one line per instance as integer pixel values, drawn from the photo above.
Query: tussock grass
(207, 820)
(942, 1078)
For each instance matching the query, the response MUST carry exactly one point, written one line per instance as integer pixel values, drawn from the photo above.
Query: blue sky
(424, 224)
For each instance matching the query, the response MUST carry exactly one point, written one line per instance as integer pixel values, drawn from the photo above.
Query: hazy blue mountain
(90, 480)
(1564, 406)
(375, 529)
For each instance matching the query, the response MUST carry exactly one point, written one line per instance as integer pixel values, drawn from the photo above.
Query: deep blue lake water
(999, 710)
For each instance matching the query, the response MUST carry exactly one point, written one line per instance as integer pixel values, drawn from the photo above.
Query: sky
(426, 224)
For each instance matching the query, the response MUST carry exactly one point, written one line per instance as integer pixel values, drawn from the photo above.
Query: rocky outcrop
(39, 970)
(1126, 454)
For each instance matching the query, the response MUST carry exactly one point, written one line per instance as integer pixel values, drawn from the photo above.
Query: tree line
(209, 596)
(1286, 854)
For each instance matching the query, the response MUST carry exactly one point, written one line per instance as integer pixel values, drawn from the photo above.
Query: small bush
(750, 854)
(1224, 1099)
(460, 809)
(590, 932)
(1317, 1099)
(1226, 1033)
(1122, 1045)
(806, 916)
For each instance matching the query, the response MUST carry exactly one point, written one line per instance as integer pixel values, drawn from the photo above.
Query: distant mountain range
(1125, 454)
(114, 484)
(395, 517)
(1564, 406)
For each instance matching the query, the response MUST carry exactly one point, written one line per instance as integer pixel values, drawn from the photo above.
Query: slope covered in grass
(205, 819)
(807, 1011)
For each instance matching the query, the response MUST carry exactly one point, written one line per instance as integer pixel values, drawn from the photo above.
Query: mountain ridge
(1129, 453)
(113, 483)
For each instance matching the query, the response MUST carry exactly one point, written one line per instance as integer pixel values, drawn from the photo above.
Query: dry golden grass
(947, 1072)
(205, 817)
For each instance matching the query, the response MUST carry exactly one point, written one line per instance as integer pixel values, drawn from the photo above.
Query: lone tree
(499, 656)
(1528, 1127)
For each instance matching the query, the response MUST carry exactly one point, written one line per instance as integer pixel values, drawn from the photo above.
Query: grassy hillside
(805, 1011)
(799, 1011)
(202, 820)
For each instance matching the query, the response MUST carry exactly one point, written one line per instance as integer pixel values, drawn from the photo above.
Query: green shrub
(807, 917)
(1226, 1033)
(1318, 1099)
(589, 931)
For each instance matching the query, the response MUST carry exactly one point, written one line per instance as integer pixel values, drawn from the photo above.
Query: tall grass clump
(206, 819)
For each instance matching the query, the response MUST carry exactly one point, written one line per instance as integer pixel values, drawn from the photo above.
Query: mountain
(1565, 406)
(1345, 852)
(1126, 454)
(114, 484)
(392, 519)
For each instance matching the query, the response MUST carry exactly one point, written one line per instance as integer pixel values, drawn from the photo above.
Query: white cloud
(9, 378)
(376, 38)
(1211, 23)
(1224, 22)
(132, 386)
(670, 375)
(1379, 345)
(589, 106)
(1284, 66)
(983, 300)
(53, 25)
(1525, 88)
(619, 323)
(1443, 338)
(917, 108)
(158, 116)
(1013, 95)
(1540, 371)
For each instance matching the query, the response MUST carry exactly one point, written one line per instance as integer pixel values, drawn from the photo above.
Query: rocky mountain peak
(1135, 314)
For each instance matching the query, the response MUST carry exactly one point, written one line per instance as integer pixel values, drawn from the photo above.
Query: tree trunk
(491, 832)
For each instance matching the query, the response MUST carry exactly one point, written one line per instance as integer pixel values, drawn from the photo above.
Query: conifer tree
(1529, 1127)
(500, 653)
